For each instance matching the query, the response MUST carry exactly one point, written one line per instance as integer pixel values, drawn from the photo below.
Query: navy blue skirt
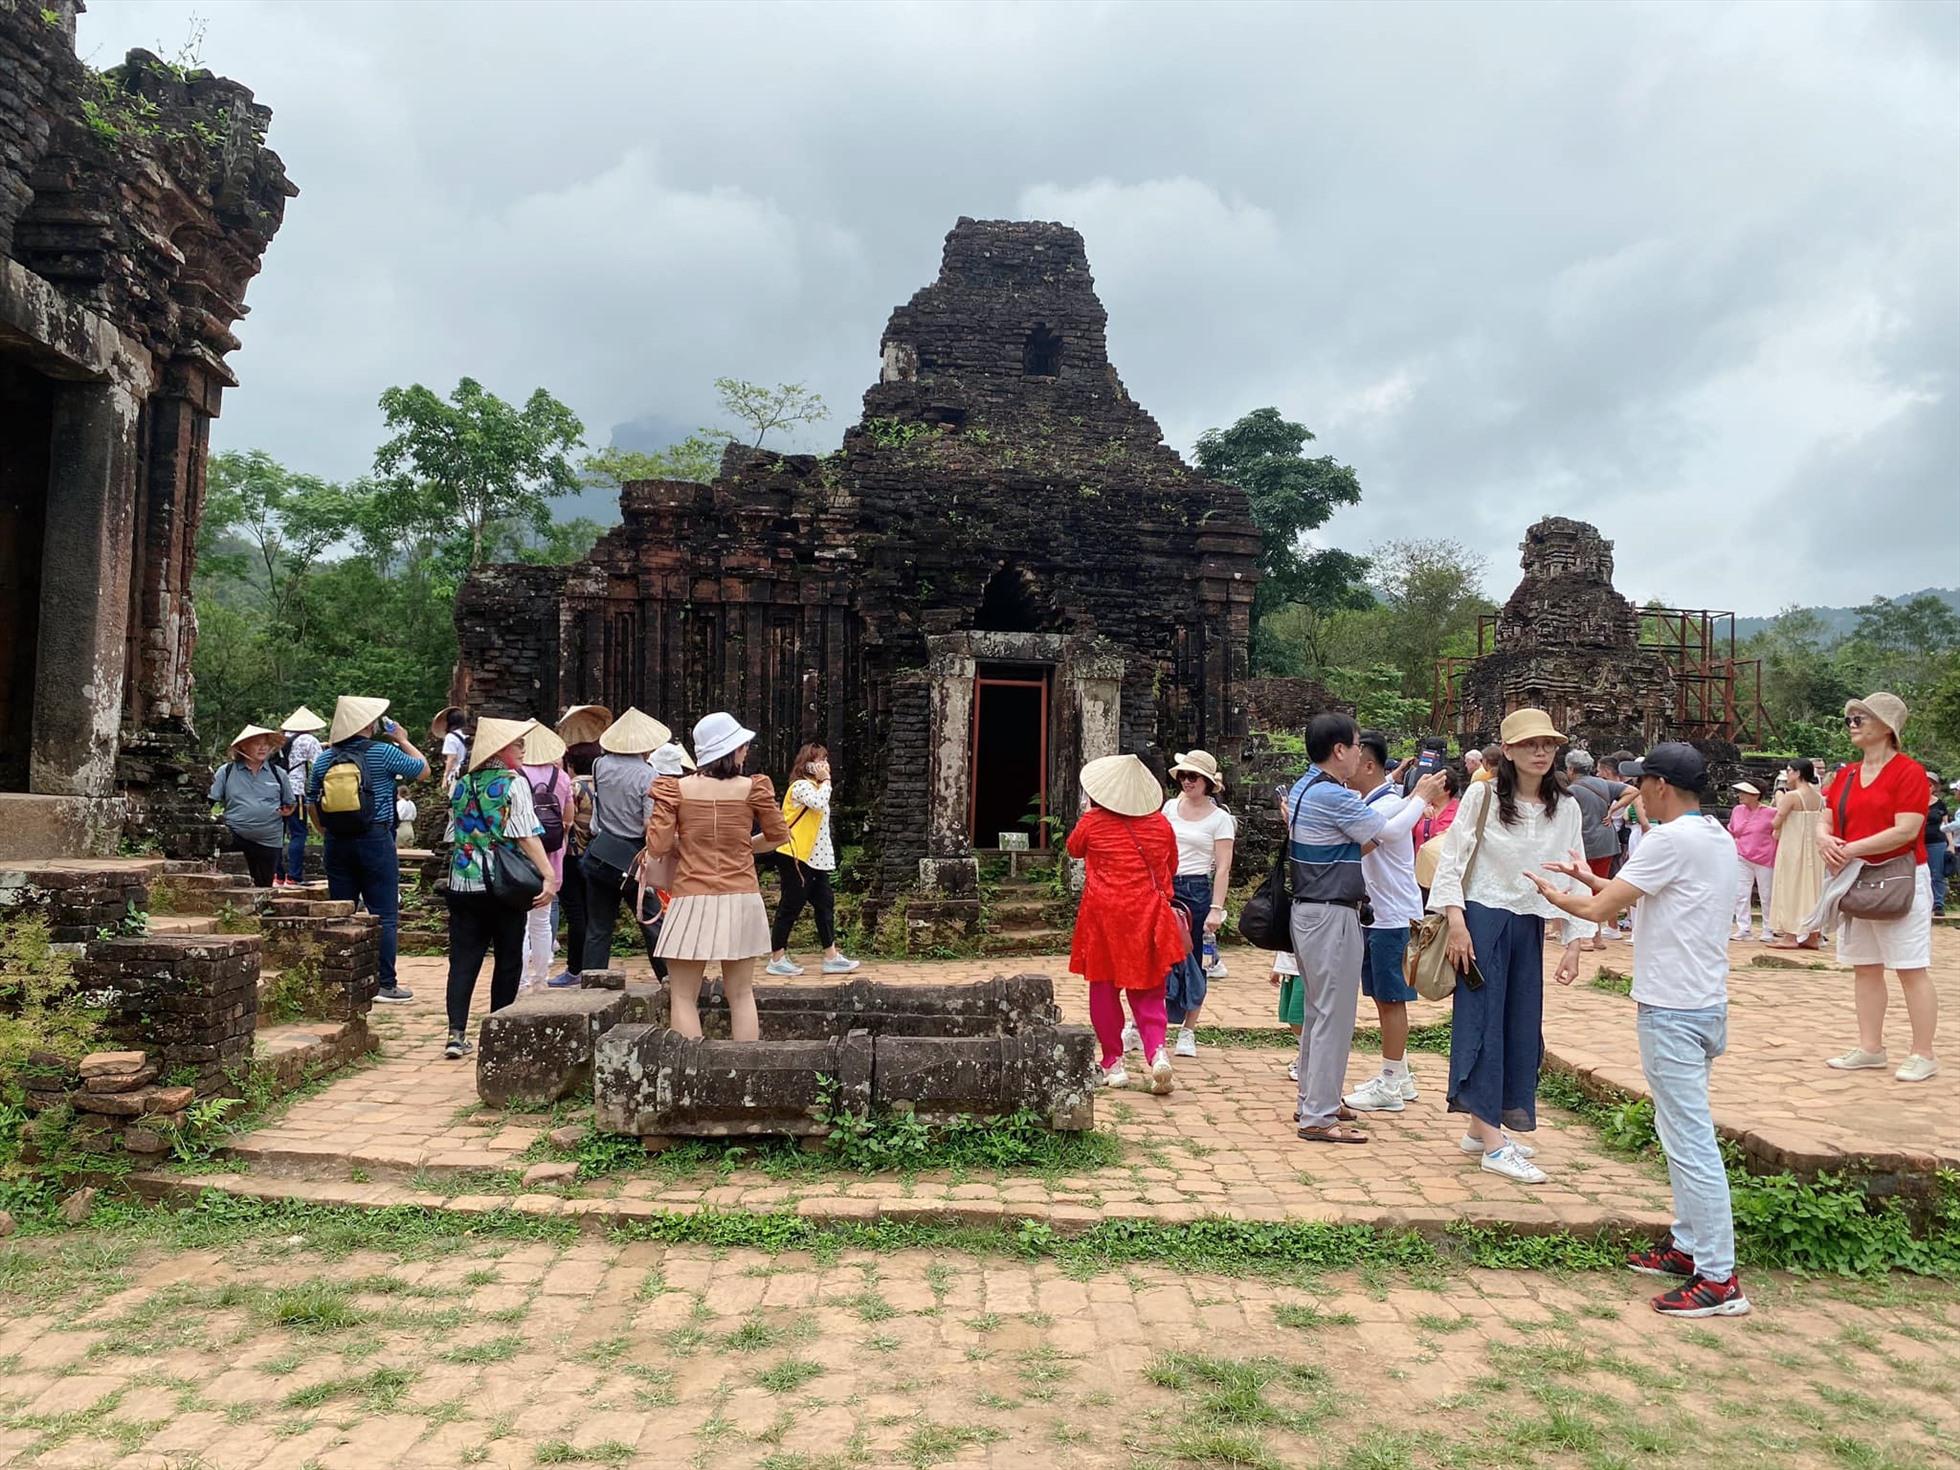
(1497, 1032)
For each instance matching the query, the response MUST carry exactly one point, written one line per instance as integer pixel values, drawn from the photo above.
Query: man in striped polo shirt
(1328, 825)
(364, 865)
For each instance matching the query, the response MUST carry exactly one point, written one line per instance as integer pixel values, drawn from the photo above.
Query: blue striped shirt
(386, 763)
(1328, 825)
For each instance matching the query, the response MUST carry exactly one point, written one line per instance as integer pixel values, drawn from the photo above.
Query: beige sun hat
(353, 713)
(248, 733)
(1528, 724)
(1123, 784)
(493, 736)
(302, 721)
(1749, 786)
(1201, 763)
(583, 722)
(1888, 709)
(634, 733)
(439, 726)
(543, 747)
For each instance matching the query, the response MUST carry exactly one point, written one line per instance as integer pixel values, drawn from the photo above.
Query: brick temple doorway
(27, 429)
(1009, 781)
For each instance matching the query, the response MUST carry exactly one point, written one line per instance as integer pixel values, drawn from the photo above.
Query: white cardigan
(1508, 853)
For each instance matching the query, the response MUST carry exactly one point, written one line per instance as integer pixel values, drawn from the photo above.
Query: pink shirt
(1755, 841)
(554, 778)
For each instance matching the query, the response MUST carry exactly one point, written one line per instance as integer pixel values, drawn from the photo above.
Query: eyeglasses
(1189, 776)
(1852, 722)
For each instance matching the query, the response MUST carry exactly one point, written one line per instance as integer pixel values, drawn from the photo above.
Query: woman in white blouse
(1511, 825)
(1205, 834)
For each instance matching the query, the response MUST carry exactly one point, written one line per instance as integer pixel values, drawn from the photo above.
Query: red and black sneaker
(1667, 1260)
(1697, 1297)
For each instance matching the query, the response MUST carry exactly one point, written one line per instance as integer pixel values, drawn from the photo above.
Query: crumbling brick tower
(134, 207)
(1003, 572)
(1568, 644)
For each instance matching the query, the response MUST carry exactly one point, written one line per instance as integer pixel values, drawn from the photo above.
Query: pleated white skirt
(714, 926)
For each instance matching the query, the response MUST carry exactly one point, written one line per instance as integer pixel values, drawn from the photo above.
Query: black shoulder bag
(508, 874)
(1267, 918)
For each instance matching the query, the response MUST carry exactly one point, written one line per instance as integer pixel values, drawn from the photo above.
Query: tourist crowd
(1397, 880)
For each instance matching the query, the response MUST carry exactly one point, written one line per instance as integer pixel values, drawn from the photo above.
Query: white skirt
(714, 926)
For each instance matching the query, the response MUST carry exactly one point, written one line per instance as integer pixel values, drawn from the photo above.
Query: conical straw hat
(1123, 784)
(543, 747)
(493, 735)
(246, 734)
(352, 713)
(302, 720)
(583, 722)
(634, 733)
(439, 726)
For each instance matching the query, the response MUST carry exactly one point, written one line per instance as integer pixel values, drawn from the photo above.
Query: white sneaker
(1408, 1081)
(1187, 1042)
(1160, 1072)
(784, 966)
(1512, 1164)
(1740, 936)
(839, 966)
(1293, 1070)
(1216, 970)
(1917, 1069)
(1859, 1060)
(1471, 1144)
(1377, 1095)
(1115, 1076)
(1132, 1042)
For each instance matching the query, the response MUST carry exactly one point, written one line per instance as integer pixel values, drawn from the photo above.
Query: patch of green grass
(753, 1336)
(869, 1306)
(564, 1452)
(789, 1375)
(378, 1392)
(934, 1444)
(495, 1350)
(1308, 1318)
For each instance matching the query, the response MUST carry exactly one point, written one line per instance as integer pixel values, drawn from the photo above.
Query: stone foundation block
(541, 1048)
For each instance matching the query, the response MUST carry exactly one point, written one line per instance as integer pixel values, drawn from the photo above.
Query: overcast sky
(1689, 272)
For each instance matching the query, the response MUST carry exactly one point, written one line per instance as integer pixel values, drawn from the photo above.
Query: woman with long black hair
(805, 863)
(1513, 824)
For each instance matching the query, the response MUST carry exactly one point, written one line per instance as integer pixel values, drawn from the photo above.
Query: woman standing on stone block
(490, 803)
(714, 823)
(1127, 936)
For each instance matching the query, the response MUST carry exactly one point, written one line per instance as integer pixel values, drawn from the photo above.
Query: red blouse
(1899, 787)
(1125, 932)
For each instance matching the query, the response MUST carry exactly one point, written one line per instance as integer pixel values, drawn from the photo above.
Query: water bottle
(1209, 952)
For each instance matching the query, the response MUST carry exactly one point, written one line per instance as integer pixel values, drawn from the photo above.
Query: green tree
(1431, 595)
(697, 457)
(762, 409)
(474, 459)
(1291, 495)
(1905, 645)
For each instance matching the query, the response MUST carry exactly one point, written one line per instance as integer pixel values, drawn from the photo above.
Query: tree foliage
(762, 409)
(697, 457)
(474, 459)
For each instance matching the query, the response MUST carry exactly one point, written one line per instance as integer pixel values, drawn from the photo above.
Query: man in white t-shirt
(1683, 876)
(1388, 867)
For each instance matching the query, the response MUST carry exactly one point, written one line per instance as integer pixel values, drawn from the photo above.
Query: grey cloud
(1658, 266)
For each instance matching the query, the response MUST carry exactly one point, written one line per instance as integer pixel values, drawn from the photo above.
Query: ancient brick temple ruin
(1002, 573)
(1610, 675)
(134, 207)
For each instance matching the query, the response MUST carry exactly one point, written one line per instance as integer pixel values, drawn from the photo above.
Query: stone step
(207, 881)
(242, 900)
(1026, 941)
(183, 924)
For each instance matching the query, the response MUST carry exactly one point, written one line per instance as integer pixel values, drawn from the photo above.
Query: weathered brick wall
(340, 957)
(191, 1002)
(1000, 478)
(77, 901)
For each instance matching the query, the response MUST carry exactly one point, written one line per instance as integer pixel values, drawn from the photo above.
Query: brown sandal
(1336, 1134)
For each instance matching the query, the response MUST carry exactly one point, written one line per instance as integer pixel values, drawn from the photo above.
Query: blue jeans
(1936, 869)
(1186, 986)
(292, 856)
(1497, 1033)
(367, 868)
(1677, 1052)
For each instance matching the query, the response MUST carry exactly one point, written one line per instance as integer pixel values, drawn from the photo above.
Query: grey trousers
(1327, 945)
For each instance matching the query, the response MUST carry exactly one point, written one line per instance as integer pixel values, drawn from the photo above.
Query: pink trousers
(1106, 1015)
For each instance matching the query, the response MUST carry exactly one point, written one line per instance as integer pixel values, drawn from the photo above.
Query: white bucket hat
(717, 735)
(634, 733)
(1888, 709)
(1123, 784)
(672, 759)
(493, 736)
(353, 713)
(302, 721)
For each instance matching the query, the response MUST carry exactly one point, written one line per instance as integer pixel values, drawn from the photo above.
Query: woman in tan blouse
(709, 822)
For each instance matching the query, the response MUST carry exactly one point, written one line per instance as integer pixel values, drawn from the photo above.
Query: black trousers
(478, 924)
(605, 886)
(261, 858)
(803, 884)
(571, 897)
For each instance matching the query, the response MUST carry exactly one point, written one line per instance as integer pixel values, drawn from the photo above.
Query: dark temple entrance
(1010, 754)
(27, 429)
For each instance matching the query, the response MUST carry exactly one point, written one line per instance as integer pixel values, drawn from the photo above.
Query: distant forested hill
(1839, 621)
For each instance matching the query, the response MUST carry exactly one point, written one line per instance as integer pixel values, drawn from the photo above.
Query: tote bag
(1425, 965)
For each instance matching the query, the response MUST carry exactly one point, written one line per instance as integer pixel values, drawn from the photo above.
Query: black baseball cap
(1674, 761)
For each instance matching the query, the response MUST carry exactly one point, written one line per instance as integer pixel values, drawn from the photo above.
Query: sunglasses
(1183, 776)
(1853, 722)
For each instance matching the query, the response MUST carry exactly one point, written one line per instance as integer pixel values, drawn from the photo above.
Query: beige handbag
(1425, 965)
